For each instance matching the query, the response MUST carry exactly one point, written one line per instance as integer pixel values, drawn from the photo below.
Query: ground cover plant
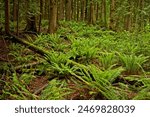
(79, 62)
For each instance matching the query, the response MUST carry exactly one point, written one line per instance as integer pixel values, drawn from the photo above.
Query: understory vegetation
(83, 62)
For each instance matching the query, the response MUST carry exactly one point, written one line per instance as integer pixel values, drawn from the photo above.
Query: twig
(28, 65)
(40, 89)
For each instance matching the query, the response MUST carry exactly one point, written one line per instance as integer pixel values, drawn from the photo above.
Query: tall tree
(18, 4)
(41, 14)
(141, 22)
(83, 5)
(78, 9)
(7, 16)
(127, 24)
(104, 13)
(61, 10)
(112, 15)
(53, 16)
(68, 9)
(15, 10)
(92, 18)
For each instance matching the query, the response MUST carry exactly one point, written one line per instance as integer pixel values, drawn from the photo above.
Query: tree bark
(78, 10)
(83, 5)
(68, 9)
(92, 18)
(18, 4)
(41, 14)
(15, 10)
(7, 16)
(53, 17)
(112, 15)
(61, 10)
(128, 17)
(104, 13)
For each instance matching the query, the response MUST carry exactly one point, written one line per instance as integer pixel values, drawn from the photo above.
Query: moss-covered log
(31, 46)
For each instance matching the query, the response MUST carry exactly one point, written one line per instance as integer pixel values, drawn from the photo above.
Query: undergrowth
(83, 62)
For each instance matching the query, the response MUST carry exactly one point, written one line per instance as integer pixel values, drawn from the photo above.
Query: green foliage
(132, 63)
(100, 81)
(97, 61)
(16, 89)
(107, 59)
(84, 49)
(20, 53)
(55, 90)
(144, 94)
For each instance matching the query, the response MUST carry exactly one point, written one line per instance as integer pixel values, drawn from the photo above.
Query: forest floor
(78, 62)
(37, 83)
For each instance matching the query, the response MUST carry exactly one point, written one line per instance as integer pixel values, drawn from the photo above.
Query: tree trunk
(15, 10)
(75, 10)
(112, 15)
(92, 13)
(142, 15)
(128, 17)
(53, 16)
(78, 10)
(18, 4)
(68, 9)
(7, 16)
(104, 13)
(41, 14)
(83, 5)
(87, 10)
(97, 11)
(61, 10)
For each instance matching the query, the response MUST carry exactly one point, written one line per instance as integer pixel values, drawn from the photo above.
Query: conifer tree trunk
(61, 10)
(104, 13)
(41, 14)
(128, 17)
(53, 17)
(15, 10)
(68, 9)
(75, 10)
(112, 15)
(97, 11)
(87, 11)
(141, 14)
(78, 10)
(18, 4)
(92, 13)
(7, 16)
(83, 3)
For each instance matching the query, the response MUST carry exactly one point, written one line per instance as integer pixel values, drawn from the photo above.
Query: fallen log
(31, 46)
(45, 53)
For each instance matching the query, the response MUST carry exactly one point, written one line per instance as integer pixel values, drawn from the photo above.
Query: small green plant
(144, 94)
(84, 49)
(107, 60)
(56, 90)
(16, 89)
(132, 63)
(100, 81)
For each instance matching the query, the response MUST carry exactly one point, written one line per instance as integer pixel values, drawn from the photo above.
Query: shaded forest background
(44, 15)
